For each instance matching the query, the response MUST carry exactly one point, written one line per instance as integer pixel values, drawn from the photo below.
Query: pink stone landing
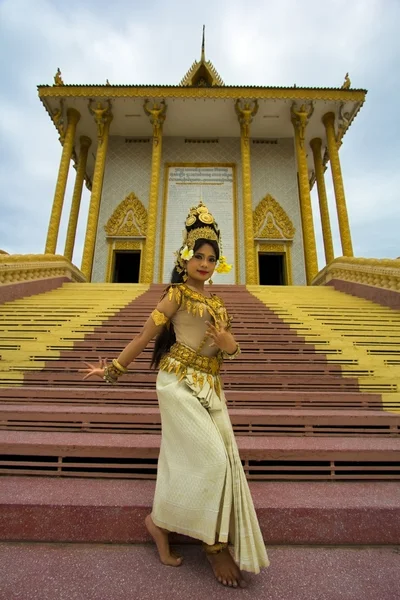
(123, 572)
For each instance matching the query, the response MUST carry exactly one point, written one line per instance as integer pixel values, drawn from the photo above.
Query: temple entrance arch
(273, 235)
(126, 238)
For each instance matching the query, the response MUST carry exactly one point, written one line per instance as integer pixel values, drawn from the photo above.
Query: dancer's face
(202, 264)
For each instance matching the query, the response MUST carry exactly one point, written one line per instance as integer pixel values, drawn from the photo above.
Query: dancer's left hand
(221, 337)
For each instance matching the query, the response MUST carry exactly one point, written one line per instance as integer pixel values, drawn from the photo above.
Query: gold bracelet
(109, 375)
(112, 373)
(233, 355)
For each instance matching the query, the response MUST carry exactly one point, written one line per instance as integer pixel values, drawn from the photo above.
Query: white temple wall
(274, 172)
(128, 169)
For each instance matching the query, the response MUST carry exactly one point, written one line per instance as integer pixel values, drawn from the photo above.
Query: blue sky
(258, 43)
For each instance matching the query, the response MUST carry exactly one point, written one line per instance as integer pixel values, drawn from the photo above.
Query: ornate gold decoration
(207, 233)
(15, 268)
(128, 219)
(270, 230)
(329, 121)
(195, 303)
(116, 245)
(347, 82)
(379, 272)
(271, 221)
(85, 143)
(157, 118)
(310, 250)
(54, 224)
(202, 73)
(223, 92)
(316, 145)
(94, 206)
(102, 116)
(181, 357)
(159, 318)
(202, 213)
(58, 78)
(301, 116)
(58, 120)
(344, 123)
(280, 248)
(245, 114)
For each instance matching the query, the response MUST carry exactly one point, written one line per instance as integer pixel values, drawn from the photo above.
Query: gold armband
(159, 318)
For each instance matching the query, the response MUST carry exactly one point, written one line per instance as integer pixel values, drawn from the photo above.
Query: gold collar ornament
(210, 231)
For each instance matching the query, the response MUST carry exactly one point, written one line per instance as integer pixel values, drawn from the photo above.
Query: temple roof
(201, 107)
(202, 73)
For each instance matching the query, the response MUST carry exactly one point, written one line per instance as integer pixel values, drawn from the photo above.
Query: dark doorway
(272, 268)
(126, 267)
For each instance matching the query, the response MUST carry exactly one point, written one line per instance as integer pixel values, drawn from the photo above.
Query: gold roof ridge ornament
(202, 73)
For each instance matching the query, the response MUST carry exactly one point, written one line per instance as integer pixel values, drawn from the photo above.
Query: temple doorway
(126, 267)
(271, 267)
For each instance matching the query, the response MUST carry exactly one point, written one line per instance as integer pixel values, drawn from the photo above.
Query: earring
(185, 276)
(210, 282)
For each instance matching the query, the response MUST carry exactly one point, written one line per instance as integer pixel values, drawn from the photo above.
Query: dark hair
(167, 336)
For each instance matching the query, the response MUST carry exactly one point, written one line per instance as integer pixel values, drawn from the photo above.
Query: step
(135, 455)
(272, 422)
(121, 395)
(45, 509)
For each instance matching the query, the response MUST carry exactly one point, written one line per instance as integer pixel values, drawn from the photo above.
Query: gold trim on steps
(363, 335)
(38, 328)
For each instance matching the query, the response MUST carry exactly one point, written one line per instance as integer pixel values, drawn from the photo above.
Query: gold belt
(189, 358)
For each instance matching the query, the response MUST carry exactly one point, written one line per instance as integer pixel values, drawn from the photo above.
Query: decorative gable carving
(270, 221)
(129, 219)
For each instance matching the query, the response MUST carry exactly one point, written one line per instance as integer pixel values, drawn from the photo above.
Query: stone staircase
(314, 400)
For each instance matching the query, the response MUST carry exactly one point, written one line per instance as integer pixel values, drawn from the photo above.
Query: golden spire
(203, 44)
(202, 73)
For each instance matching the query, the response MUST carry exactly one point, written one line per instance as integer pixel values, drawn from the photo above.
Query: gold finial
(58, 78)
(347, 82)
(203, 44)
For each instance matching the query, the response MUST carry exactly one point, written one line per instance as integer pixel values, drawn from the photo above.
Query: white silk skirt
(201, 489)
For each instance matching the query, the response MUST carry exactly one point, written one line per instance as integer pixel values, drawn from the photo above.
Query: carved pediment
(128, 219)
(270, 221)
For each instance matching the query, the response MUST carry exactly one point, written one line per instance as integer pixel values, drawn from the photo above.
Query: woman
(201, 489)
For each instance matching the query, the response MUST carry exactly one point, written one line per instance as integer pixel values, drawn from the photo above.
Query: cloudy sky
(262, 42)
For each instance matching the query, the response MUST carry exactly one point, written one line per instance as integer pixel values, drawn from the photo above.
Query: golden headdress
(210, 231)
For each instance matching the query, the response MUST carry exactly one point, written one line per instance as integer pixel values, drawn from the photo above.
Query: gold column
(299, 120)
(157, 118)
(55, 217)
(344, 227)
(103, 117)
(245, 113)
(316, 145)
(76, 197)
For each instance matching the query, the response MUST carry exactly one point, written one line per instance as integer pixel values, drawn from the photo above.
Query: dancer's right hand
(97, 370)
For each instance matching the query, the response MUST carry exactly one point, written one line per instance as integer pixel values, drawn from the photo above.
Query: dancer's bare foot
(160, 537)
(226, 570)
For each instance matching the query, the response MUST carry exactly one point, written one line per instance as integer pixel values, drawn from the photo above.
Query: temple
(149, 152)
